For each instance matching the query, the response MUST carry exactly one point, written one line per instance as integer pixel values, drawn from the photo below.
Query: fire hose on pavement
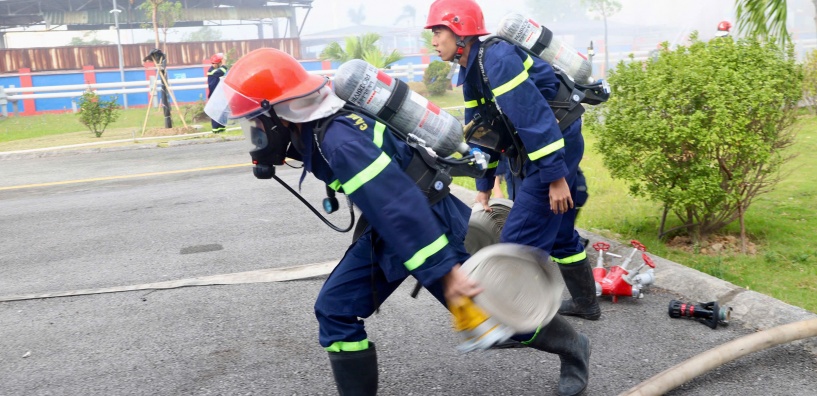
(681, 373)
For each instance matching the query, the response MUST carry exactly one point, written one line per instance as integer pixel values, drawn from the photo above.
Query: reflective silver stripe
(550, 148)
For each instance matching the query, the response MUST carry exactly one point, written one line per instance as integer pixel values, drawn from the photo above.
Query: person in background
(724, 29)
(214, 74)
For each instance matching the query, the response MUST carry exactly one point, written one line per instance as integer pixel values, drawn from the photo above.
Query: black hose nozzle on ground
(710, 313)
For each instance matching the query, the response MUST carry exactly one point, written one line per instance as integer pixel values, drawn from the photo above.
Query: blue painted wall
(141, 99)
(6, 82)
(52, 80)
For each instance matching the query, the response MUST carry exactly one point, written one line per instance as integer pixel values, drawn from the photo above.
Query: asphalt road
(116, 218)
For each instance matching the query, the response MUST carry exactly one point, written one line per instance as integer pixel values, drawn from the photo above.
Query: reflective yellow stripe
(493, 165)
(420, 257)
(528, 63)
(342, 346)
(335, 185)
(367, 174)
(473, 103)
(550, 148)
(378, 133)
(504, 88)
(570, 260)
(534, 336)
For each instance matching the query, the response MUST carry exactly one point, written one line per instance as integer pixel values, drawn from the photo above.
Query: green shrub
(436, 78)
(96, 113)
(702, 129)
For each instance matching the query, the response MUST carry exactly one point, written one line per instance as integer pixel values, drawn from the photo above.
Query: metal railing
(153, 86)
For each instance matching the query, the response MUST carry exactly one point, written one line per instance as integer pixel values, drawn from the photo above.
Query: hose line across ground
(677, 375)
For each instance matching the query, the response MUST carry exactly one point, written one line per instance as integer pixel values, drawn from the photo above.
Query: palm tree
(409, 13)
(360, 47)
(763, 19)
(357, 16)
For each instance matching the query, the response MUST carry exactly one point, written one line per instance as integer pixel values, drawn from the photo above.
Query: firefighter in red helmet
(508, 94)
(286, 112)
(724, 29)
(214, 74)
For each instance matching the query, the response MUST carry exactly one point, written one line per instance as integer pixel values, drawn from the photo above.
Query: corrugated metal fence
(107, 56)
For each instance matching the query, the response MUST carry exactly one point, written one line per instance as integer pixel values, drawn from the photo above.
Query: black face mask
(271, 140)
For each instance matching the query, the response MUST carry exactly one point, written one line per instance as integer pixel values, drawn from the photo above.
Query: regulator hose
(677, 375)
(315, 211)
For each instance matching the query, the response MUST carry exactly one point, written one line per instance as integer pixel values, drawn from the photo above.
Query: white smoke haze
(638, 27)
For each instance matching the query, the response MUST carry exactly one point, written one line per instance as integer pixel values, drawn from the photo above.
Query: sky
(682, 16)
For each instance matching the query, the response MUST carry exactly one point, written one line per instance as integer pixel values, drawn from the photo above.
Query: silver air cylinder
(414, 117)
(529, 34)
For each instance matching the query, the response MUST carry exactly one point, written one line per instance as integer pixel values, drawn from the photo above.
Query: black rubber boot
(355, 372)
(573, 349)
(582, 287)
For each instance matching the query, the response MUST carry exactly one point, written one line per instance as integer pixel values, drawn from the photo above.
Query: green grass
(51, 130)
(781, 223)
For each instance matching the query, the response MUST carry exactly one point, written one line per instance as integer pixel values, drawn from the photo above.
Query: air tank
(541, 41)
(365, 86)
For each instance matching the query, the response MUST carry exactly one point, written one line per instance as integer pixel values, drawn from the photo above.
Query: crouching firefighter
(287, 113)
(519, 105)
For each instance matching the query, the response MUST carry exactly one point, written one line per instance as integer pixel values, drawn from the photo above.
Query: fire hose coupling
(710, 313)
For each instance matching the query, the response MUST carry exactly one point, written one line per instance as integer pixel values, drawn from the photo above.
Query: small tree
(436, 78)
(96, 113)
(702, 129)
(603, 9)
(163, 14)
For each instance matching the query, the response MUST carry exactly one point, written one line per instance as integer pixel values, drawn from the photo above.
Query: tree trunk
(156, 24)
(815, 9)
(742, 227)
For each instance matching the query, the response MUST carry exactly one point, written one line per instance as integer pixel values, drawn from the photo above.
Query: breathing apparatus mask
(272, 143)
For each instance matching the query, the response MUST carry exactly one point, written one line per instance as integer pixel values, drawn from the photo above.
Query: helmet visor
(226, 104)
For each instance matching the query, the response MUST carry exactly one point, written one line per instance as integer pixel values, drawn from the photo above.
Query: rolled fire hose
(484, 227)
(677, 375)
(522, 287)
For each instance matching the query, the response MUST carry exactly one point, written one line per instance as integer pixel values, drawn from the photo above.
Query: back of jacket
(367, 161)
(521, 86)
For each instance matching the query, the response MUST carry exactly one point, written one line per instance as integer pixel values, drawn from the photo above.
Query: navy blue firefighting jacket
(367, 161)
(213, 77)
(521, 85)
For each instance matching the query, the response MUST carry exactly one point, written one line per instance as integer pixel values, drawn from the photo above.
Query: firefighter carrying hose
(287, 113)
(520, 107)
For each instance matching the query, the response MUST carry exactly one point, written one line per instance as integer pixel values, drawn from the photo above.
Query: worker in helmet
(724, 29)
(214, 74)
(286, 112)
(544, 210)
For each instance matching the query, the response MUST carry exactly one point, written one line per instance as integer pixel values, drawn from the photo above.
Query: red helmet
(217, 58)
(257, 81)
(724, 26)
(463, 17)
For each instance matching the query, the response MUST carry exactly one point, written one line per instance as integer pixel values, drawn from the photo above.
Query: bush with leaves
(436, 77)
(810, 81)
(96, 113)
(701, 129)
